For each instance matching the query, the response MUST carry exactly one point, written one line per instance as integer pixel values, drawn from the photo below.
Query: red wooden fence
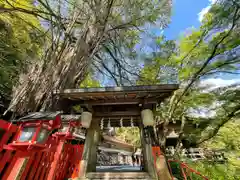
(52, 163)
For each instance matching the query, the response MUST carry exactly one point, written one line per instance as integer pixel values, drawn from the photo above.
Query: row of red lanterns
(35, 131)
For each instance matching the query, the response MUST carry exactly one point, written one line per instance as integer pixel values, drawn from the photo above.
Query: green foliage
(228, 141)
(129, 135)
(217, 171)
(203, 53)
(195, 56)
(19, 44)
(89, 82)
(160, 66)
(200, 54)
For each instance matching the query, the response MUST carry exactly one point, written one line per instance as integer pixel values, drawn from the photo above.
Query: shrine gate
(47, 145)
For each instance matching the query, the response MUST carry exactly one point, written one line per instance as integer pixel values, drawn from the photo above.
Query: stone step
(118, 176)
(147, 178)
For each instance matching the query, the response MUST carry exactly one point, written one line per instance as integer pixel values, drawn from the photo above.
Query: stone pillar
(146, 141)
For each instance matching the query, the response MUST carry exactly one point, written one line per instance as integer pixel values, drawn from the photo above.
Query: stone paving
(121, 168)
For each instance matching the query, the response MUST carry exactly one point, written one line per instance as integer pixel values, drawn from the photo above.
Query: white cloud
(205, 10)
(213, 83)
(213, 1)
(202, 112)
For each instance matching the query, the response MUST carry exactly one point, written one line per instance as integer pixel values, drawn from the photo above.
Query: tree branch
(213, 54)
(108, 70)
(118, 63)
(209, 133)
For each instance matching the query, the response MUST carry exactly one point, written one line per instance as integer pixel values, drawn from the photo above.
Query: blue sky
(184, 15)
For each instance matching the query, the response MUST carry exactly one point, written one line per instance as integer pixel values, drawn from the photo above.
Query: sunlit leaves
(130, 135)
(19, 43)
(132, 38)
(228, 142)
(89, 82)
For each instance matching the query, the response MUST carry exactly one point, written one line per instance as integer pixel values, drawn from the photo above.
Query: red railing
(186, 172)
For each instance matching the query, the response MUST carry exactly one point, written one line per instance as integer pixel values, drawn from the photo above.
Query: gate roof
(116, 103)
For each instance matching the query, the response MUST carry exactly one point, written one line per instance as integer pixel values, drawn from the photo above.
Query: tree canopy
(205, 52)
(80, 34)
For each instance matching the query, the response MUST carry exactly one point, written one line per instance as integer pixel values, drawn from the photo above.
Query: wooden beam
(68, 117)
(115, 121)
(110, 95)
(117, 113)
(125, 89)
(119, 102)
(116, 118)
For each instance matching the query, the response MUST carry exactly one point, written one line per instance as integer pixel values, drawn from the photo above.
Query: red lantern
(34, 130)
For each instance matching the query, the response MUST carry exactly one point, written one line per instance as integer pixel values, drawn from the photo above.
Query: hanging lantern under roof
(147, 117)
(86, 119)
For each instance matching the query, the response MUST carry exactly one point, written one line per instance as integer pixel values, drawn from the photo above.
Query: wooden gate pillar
(87, 151)
(148, 160)
(93, 156)
(147, 146)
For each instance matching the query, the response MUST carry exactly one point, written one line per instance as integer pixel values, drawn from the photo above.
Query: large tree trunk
(64, 66)
(63, 69)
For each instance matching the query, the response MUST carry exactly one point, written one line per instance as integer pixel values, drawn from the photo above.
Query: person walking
(133, 160)
(137, 160)
(141, 163)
